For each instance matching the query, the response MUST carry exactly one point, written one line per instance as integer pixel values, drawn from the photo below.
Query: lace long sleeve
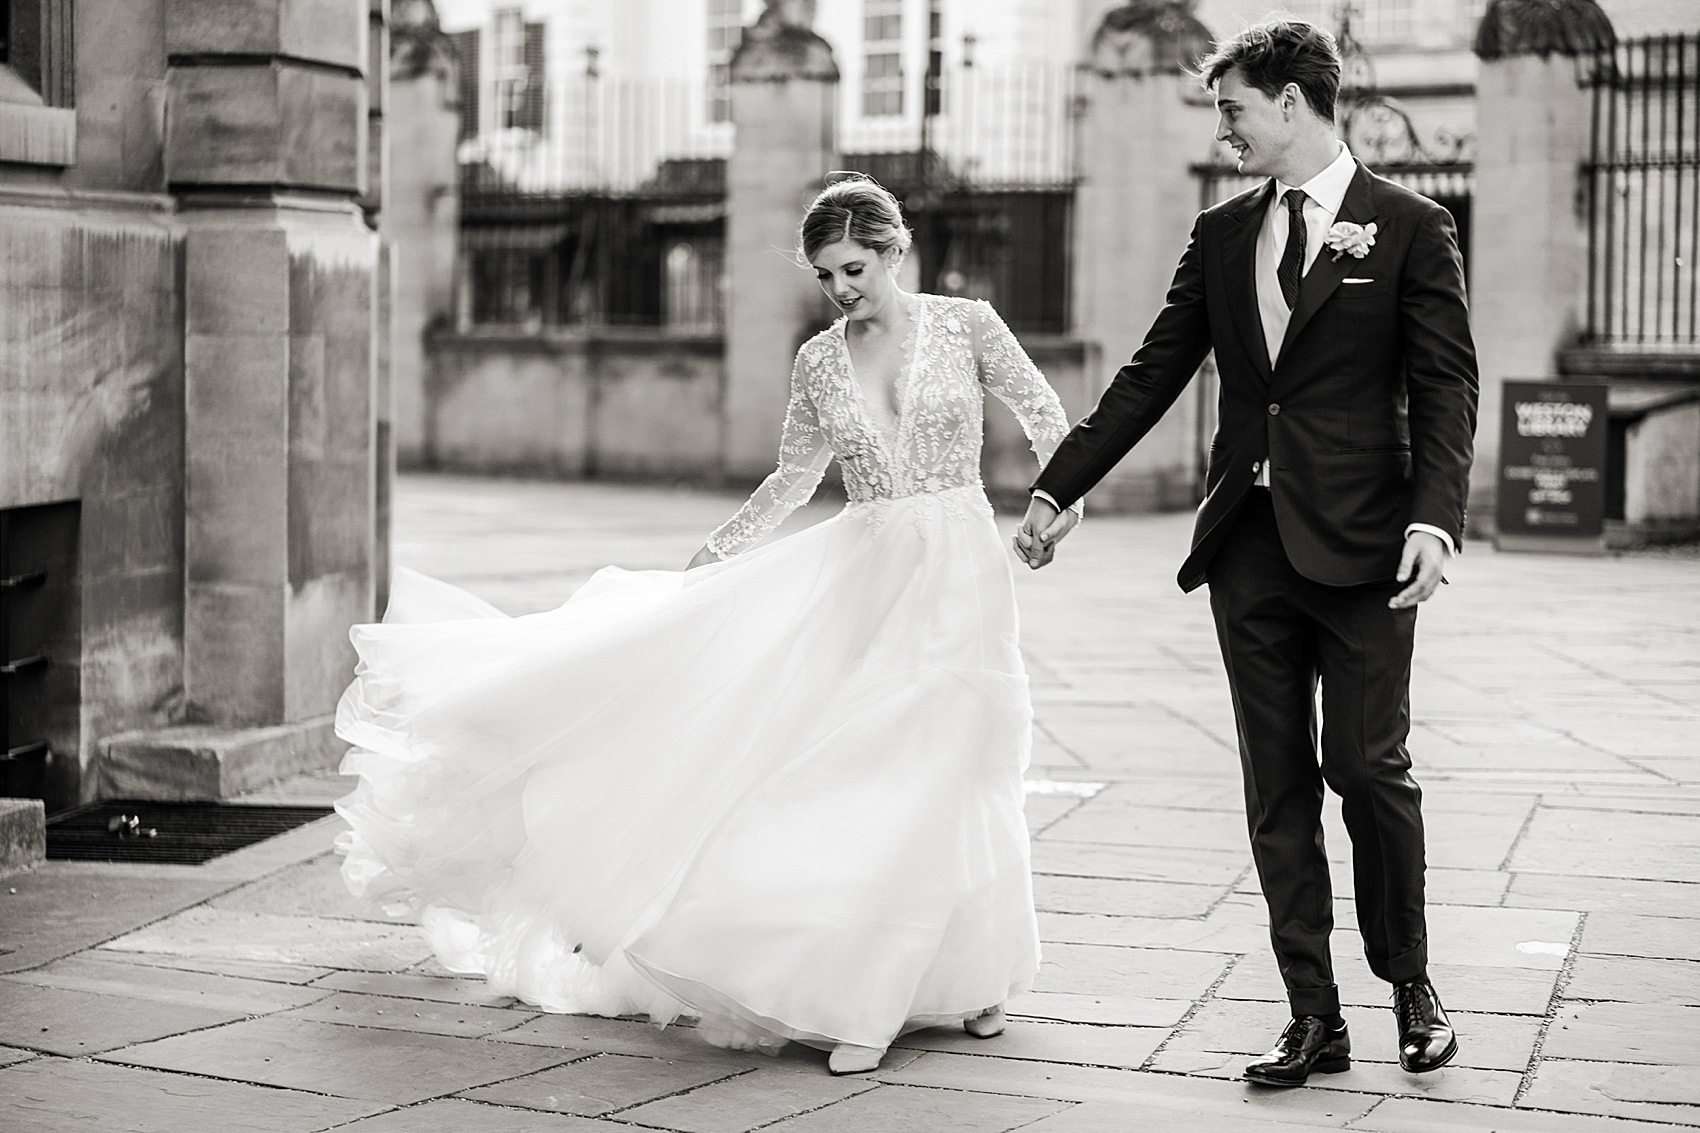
(803, 456)
(1007, 371)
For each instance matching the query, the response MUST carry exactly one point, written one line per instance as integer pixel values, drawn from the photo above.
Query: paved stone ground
(1557, 706)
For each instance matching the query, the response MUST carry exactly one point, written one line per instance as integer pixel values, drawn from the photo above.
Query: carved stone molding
(782, 44)
(1146, 37)
(1544, 28)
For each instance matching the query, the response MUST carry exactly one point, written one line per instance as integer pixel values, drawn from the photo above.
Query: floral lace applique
(957, 349)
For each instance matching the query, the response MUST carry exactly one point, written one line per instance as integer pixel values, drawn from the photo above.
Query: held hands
(1422, 565)
(1041, 530)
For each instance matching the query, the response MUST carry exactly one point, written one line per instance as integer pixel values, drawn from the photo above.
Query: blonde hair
(858, 208)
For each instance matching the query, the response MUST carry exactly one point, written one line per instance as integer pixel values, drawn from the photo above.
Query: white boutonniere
(1356, 239)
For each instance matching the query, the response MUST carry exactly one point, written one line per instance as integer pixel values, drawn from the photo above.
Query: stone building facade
(192, 350)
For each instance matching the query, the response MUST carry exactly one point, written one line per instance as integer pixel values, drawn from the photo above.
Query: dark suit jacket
(1369, 416)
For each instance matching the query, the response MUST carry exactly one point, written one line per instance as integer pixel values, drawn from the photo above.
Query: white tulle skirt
(781, 794)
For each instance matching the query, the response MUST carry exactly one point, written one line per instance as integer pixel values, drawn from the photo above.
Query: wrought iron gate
(1643, 192)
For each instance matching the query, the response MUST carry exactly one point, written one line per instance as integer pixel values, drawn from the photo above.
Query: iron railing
(1643, 195)
(1006, 127)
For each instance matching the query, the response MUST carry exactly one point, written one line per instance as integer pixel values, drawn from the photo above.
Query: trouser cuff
(1314, 1000)
(1411, 964)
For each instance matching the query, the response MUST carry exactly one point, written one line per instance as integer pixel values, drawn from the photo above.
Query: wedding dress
(780, 793)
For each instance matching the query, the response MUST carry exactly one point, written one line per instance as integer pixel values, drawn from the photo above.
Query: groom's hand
(1041, 530)
(1422, 565)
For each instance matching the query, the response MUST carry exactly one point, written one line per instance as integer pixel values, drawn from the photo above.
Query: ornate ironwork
(1378, 128)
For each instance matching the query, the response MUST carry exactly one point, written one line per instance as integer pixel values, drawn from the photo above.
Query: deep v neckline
(908, 350)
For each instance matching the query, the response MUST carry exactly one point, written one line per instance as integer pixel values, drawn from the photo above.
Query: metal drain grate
(125, 830)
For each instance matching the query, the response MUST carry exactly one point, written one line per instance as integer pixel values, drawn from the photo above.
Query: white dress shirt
(1323, 196)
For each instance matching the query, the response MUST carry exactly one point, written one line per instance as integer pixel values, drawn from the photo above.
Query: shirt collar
(1327, 188)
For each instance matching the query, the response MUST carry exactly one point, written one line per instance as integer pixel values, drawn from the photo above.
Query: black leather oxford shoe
(1306, 1045)
(1426, 1039)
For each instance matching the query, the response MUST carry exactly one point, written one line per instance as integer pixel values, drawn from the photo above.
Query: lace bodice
(956, 349)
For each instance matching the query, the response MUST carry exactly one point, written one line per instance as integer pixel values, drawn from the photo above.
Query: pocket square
(1357, 281)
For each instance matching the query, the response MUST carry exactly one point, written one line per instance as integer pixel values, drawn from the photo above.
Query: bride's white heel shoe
(987, 1024)
(849, 1059)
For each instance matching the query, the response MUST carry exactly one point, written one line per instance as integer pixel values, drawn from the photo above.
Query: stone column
(1144, 123)
(422, 213)
(267, 156)
(1529, 249)
(784, 94)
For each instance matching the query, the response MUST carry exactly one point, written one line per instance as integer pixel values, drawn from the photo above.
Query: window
(508, 70)
(1387, 21)
(933, 95)
(37, 73)
(882, 59)
(725, 32)
(516, 57)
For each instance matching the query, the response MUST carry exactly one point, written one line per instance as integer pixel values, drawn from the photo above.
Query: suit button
(1256, 467)
(1274, 410)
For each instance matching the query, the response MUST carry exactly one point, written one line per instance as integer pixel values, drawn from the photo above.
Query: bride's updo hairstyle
(859, 209)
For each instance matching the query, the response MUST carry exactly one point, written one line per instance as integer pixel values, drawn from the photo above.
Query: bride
(779, 792)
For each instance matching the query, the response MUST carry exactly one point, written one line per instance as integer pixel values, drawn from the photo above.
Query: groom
(1334, 301)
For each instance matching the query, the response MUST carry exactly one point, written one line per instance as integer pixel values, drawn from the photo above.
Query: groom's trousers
(1282, 635)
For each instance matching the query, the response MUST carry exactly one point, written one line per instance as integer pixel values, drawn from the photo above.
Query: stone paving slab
(631, 1037)
(415, 985)
(59, 908)
(1100, 1117)
(1655, 1034)
(308, 889)
(1204, 1096)
(456, 1115)
(603, 1084)
(1138, 863)
(56, 1095)
(1123, 1047)
(78, 1023)
(1500, 990)
(1053, 894)
(1086, 969)
(1635, 979)
(746, 1101)
(1655, 847)
(1411, 1115)
(1629, 934)
(397, 1067)
(1605, 894)
(1106, 1010)
(93, 973)
(1654, 1093)
(224, 934)
(937, 1111)
(219, 966)
(11, 1054)
(1207, 934)
(427, 1017)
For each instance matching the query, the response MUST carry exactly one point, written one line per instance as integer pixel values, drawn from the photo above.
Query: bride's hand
(703, 558)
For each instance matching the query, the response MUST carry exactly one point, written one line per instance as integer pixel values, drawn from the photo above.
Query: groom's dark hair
(1276, 52)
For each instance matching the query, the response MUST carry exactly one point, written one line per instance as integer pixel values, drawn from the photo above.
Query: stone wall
(91, 409)
(574, 403)
(643, 404)
(190, 335)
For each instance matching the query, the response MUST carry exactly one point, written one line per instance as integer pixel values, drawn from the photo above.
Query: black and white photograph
(849, 566)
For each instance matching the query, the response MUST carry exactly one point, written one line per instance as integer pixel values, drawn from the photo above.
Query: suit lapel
(1327, 270)
(1239, 270)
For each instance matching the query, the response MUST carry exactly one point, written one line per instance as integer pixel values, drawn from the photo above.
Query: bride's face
(858, 280)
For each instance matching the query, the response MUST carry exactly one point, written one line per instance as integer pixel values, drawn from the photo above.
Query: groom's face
(1259, 128)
